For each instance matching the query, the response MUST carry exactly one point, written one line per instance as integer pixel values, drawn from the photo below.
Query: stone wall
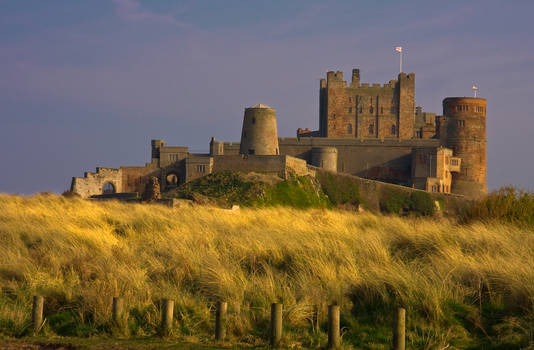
(134, 178)
(387, 160)
(197, 166)
(279, 165)
(372, 191)
(93, 183)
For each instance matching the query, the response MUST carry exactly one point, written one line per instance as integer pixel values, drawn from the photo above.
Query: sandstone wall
(279, 165)
(93, 183)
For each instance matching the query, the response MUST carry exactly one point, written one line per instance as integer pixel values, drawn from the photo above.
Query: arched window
(393, 130)
(371, 129)
(349, 129)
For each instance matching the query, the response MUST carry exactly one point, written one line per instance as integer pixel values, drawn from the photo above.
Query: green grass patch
(259, 190)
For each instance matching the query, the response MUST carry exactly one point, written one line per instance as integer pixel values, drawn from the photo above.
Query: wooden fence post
(37, 312)
(333, 326)
(276, 324)
(220, 320)
(399, 329)
(167, 316)
(117, 309)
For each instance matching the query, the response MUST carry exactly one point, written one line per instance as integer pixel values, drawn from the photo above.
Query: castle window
(393, 130)
(371, 109)
(349, 129)
(458, 108)
(418, 134)
(350, 109)
(381, 110)
(371, 129)
(350, 99)
(253, 120)
(334, 116)
(460, 123)
(454, 161)
(361, 109)
(201, 168)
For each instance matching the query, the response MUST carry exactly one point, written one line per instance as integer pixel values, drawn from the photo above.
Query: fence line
(276, 329)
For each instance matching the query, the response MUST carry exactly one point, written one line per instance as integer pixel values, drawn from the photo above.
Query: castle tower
(156, 146)
(406, 107)
(259, 135)
(324, 157)
(466, 136)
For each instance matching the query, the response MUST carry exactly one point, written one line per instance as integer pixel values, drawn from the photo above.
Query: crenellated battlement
(371, 130)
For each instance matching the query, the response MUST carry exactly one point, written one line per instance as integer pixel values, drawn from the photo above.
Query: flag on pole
(398, 49)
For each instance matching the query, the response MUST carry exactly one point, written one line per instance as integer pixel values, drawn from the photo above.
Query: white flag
(398, 49)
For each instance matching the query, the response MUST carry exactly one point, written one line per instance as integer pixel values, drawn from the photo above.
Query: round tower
(466, 136)
(259, 135)
(324, 157)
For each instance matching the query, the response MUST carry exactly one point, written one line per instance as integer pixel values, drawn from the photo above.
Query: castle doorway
(108, 188)
(171, 180)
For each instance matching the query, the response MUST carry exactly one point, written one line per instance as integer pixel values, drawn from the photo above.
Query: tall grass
(508, 204)
(463, 286)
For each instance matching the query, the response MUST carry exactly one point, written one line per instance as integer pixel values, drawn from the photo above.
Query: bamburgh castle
(371, 131)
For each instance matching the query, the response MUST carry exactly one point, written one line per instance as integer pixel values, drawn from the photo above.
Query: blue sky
(90, 83)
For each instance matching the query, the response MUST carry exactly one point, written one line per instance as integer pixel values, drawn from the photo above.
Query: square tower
(364, 111)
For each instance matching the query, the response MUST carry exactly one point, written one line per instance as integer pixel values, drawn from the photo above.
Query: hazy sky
(90, 83)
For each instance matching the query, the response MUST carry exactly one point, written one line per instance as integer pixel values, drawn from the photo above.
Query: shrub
(422, 203)
(397, 201)
(507, 204)
(394, 201)
(339, 189)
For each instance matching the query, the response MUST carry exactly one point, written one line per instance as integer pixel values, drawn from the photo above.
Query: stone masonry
(369, 130)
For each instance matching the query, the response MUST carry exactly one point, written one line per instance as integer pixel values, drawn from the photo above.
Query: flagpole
(399, 50)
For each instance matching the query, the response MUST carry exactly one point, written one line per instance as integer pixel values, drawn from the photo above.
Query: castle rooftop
(260, 105)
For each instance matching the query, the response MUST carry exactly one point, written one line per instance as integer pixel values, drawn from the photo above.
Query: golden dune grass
(80, 254)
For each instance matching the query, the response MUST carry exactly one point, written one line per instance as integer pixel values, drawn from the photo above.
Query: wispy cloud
(132, 10)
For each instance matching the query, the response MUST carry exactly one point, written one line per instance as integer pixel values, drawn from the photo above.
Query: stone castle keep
(372, 131)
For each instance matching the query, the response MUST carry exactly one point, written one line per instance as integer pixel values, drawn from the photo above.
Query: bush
(397, 201)
(339, 189)
(507, 204)
(422, 203)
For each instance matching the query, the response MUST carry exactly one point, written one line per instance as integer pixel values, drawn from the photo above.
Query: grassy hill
(464, 286)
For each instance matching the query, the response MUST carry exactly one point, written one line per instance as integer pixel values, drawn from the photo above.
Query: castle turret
(259, 135)
(324, 157)
(466, 136)
(406, 113)
(156, 146)
(216, 147)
